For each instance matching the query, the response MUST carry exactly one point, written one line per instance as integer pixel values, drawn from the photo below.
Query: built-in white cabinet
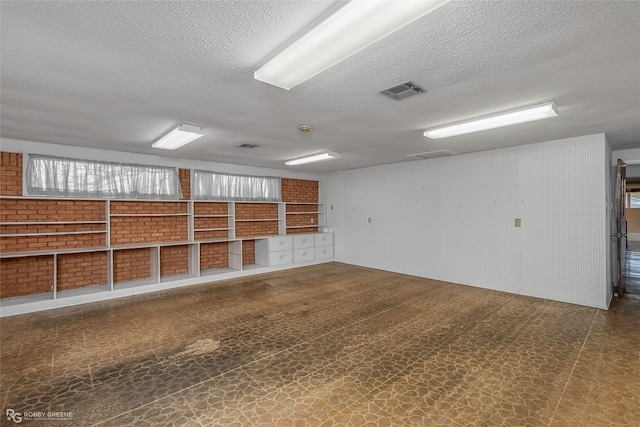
(303, 241)
(280, 258)
(323, 239)
(304, 255)
(310, 247)
(324, 252)
(280, 250)
(324, 246)
(280, 243)
(275, 250)
(200, 239)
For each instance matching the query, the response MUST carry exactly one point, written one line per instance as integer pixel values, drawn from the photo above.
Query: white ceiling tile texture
(117, 75)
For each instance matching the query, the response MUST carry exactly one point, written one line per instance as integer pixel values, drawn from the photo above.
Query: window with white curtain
(63, 177)
(222, 186)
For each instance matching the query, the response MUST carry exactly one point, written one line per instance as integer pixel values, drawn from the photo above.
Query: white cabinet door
(302, 241)
(324, 239)
(302, 255)
(280, 243)
(280, 258)
(324, 252)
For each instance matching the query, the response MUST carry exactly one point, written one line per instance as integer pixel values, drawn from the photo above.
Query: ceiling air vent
(402, 91)
(247, 145)
(432, 154)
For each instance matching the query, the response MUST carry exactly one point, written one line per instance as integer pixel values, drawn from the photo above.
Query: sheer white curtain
(215, 185)
(63, 177)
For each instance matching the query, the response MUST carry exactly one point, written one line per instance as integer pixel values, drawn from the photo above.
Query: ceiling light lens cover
(353, 27)
(313, 158)
(178, 137)
(522, 115)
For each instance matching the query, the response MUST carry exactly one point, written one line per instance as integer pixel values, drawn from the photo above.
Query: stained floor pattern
(327, 345)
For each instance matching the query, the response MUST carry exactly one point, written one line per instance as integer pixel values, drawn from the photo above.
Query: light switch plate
(518, 222)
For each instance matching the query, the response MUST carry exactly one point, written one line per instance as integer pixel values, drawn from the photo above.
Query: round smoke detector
(304, 128)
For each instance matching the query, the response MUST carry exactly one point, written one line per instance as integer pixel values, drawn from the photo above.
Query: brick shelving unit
(60, 251)
(54, 248)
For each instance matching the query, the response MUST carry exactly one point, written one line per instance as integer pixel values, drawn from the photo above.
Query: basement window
(207, 185)
(64, 177)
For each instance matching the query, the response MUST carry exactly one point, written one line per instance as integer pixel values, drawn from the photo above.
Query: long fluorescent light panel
(178, 137)
(313, 158)
(353, 27)
(523, 115)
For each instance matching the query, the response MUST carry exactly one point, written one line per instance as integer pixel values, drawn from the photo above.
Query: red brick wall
(174, 260)
(248, 252)
(10, 174)
(262, 228)
(248, 211)
(32, 275)
(214, 255)
(295, 217)
(82, 269)
(14, 281)
(185, 183)
(131, 264)
(299, 190)
(34, 210)
(211, 208)
(147, 229)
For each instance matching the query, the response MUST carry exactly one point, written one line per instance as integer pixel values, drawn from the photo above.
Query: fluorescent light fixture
(353, 27)
(522, 115)
(313, 158)
(178, 137)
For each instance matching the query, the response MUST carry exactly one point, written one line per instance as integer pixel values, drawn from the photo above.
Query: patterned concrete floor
(327, 345)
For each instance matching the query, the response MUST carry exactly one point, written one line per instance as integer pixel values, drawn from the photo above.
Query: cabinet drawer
(324, 239)
(302, 241)
(324, 252)
(301, 255)
(279, 258)
(280, 243)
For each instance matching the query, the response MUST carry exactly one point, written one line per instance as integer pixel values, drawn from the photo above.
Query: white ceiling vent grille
(432, 154)
(402, 91)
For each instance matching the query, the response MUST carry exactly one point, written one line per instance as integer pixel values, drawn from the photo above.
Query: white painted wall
(332, 194)
(453, 219)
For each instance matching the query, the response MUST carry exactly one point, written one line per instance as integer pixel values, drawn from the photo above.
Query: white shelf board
(174, 277)
(57, 233)
(85, 290)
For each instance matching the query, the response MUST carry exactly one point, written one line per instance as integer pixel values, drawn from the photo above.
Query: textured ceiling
(117, 75)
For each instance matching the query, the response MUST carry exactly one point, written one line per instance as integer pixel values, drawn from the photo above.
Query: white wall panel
(453, 219)
(564, 220)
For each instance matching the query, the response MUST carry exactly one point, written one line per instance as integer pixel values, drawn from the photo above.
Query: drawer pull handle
(281, 256)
